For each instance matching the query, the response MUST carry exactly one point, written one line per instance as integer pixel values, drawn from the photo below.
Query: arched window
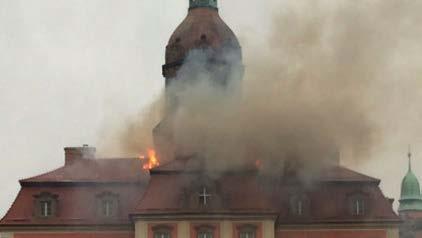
(247, 231)
(45, 205)
(107, 205)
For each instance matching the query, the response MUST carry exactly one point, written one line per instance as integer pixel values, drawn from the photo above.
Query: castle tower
(203, 29)
(202, 33)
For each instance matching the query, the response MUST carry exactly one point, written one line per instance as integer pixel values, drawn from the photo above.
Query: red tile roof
(95, 170)
(76, 205)
(76, 186)
(247, 192)
(240, 192)
(170, 191)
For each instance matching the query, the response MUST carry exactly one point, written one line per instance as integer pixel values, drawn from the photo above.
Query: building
(115, 198)
(410, 209)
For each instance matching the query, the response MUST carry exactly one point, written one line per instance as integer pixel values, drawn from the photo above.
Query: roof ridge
(43, 174)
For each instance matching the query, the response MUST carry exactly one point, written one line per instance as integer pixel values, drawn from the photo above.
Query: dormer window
(358, 207)
(46, 208)
(108, 205)
(204, 197)
(45, 205)
(299, 205)
(358, 204)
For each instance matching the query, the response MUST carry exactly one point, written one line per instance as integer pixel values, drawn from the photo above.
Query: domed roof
(202, 28)
(410, 188)
(410, 199)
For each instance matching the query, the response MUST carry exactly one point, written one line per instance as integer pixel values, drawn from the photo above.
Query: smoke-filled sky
(74, 72)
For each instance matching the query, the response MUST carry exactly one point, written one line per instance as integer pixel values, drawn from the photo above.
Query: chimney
(75, 153)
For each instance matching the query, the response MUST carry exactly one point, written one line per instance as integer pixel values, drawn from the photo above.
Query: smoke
(316, 87)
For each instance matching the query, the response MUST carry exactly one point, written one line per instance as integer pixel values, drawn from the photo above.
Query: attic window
(299, 205)
(204, 197)
(107, 205)
(358, 204)
(45, 205)
(358, 207)
(46, 208)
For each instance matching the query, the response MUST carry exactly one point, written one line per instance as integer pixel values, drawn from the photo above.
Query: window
(205, 231)
(162, 234)
(45, 205)
(46, 208)
(204, 197)
(108, 205)
(358, 204)
(247, 231)
(299, 205)
(162, 231)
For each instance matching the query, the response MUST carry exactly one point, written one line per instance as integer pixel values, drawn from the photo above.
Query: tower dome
(410, 198)
(410, 188)
(202, 28)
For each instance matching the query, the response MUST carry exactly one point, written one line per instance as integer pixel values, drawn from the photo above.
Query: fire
(258, 164)
(151, 161)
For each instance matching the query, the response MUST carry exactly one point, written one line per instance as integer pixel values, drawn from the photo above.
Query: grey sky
(72, 69)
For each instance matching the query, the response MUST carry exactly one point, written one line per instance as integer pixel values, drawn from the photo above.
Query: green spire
(410, 199)
(203, 3)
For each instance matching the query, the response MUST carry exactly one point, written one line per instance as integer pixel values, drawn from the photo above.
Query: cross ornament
(204, 196)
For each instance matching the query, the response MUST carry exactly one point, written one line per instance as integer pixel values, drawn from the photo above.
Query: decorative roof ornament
(203, 3)
(409, 155)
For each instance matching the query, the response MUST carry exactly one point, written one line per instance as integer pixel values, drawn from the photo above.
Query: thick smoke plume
(313, 89)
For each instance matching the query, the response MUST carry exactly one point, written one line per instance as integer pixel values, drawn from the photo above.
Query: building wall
(104, 234)
(338, 233)
(222, 229)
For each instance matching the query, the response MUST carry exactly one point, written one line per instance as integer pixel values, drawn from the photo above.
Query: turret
(410, 198)
(203, 29)
(202, 37)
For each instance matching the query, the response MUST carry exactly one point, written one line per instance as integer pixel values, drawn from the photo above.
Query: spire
(203, 3)
(409, 155)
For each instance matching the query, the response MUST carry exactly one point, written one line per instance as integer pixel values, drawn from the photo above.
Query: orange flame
(151, 161)
(258, 164)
